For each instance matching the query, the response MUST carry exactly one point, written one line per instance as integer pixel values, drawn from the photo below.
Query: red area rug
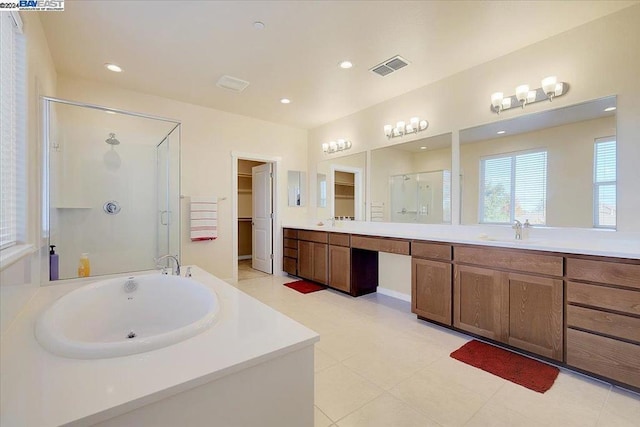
(529, 373)
(304, 287)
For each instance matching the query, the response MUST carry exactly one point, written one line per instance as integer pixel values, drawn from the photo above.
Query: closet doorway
(254, 218)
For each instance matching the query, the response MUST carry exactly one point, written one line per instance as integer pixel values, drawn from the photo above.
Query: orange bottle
(84, 267)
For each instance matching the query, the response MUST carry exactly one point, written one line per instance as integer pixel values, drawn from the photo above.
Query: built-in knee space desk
(346, 262)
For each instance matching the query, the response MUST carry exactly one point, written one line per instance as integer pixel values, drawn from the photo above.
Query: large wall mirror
(411, 182)
(341, 187)
(555, 168)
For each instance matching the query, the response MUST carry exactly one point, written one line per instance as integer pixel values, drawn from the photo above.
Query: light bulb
(341, 144)
(496, 100)
(423, 125)
(414, 121)
(410, 128)
(325, 147)
(400, 126)
(549, 86)
(333, 146)
(521, 93)
(388, 129)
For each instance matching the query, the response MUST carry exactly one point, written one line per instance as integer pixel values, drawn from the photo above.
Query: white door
(262, 230)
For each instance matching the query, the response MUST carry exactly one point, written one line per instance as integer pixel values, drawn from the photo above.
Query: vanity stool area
(575, 310)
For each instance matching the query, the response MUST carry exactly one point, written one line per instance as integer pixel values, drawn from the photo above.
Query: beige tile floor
(377, 365)
(246, 272)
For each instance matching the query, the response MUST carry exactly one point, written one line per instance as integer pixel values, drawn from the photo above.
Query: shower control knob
(111, 207)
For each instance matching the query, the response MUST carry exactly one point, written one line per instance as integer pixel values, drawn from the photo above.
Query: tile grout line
(606, 400)
(486, 403)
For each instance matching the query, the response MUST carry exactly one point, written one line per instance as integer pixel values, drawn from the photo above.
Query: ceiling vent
(232, 83)
(389, 66)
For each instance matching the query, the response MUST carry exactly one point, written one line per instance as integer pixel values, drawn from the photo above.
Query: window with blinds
(12, 139)
(604, 183)
(513, 187)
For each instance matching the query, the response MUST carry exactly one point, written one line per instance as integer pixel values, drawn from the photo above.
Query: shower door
(168, 196)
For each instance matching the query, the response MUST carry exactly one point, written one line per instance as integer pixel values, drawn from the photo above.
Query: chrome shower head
(112, 139)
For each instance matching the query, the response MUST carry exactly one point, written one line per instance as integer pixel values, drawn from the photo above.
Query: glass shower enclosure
(423, 197)
(111, 188)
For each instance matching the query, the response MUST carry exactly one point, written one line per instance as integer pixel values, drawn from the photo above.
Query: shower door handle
(164, 217)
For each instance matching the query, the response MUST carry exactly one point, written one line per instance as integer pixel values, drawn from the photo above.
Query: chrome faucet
(517, 225)
(174, 258)
(333, 221)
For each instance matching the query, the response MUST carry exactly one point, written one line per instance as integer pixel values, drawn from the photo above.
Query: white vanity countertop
(563, 240)
(41, 389)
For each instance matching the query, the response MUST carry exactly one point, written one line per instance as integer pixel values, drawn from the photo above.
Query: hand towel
(204, 218)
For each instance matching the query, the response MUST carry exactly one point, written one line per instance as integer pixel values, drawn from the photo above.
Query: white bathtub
(129, 315)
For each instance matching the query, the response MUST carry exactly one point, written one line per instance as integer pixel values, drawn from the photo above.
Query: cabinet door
(481, 301)
(340, 268)
(535, 314)
(320, 263)
(305, 259)
(431, 290)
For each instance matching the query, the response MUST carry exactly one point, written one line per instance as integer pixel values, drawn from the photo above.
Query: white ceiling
(180, 49)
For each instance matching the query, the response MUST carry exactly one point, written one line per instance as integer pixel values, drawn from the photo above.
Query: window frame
(16, 145)
(512, 193)
(597, 185)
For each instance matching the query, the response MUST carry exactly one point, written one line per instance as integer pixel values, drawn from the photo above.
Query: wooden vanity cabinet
(520, 308)
(313, 255)
(290, 251)
(340, 262)
(431, 281)
(603, 317)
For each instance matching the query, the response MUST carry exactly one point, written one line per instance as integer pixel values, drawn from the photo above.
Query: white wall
(19, 281)
(208, 138)
(598, 59)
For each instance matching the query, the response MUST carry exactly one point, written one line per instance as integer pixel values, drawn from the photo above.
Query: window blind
(12, 147)
(604, 183)
(514, 186)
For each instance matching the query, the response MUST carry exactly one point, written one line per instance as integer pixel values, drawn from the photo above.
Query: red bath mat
(529, 373)
(304, 287)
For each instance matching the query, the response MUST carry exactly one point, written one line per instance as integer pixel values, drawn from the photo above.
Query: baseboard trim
(244, 257)
(394, 294)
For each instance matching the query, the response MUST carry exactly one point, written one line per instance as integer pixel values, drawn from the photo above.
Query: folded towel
(204, 218)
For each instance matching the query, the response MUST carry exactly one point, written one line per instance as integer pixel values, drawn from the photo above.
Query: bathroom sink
(512, 241)
(128, 315)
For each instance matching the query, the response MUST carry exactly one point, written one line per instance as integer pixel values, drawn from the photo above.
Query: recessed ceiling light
(609, 108)
(500, 132)
(285, 101)
(346, 65)
(113, 67)
(258, 25)
(423, 148)
(109, 112)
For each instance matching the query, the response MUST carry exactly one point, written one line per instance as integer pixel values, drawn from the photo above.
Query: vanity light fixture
(415, 125)
(551, 88)
(335, 146)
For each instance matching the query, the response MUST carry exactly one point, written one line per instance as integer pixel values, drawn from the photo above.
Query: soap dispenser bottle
(84, 266)
(53, 264)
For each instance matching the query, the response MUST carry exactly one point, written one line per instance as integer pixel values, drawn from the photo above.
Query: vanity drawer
(339, 239)
(290, 233)
(290, 265)
(291, 253)
(290, 243)
(430, 250)
(516, 259)
(313, 236)
(610, 358)
(615, 325)
(622, 300)
(381, 244)
(609, 272)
